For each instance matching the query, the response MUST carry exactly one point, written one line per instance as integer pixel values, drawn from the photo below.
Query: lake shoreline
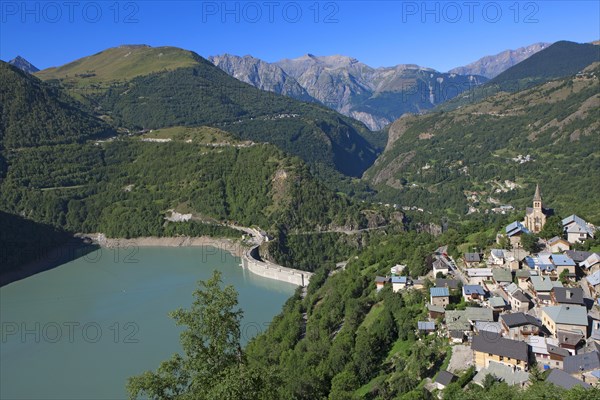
(74, 248)
(235, 247)
(84, 243)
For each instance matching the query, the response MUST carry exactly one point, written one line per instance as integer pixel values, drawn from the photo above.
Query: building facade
(535, 217)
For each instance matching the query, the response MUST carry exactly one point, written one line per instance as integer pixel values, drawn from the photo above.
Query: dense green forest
(33, 113)
(440, 160)
(124, 188)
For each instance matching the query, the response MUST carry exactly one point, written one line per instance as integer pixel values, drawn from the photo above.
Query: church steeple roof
(537, 196)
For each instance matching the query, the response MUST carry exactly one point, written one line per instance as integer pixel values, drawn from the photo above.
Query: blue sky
(436, 34)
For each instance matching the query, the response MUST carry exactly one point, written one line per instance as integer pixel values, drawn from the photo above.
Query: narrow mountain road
(340, 230)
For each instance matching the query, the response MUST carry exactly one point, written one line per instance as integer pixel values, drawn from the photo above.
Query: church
(535, 218)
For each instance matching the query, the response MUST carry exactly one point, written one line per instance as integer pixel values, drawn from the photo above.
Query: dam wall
(252, 262)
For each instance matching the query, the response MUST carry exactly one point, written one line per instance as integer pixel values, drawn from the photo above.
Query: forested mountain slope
(33, 113)
(127, 185)
(149, 88)
(494, 152)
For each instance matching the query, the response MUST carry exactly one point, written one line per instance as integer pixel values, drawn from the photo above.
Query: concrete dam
(251, 261)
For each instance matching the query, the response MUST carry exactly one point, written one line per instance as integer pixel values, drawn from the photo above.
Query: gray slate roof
(449, 283)
(495, 344)
(557, 350)
(434, 308)
(564, 380)
(570, 338)
(456, 320)
(503, 373)
(487, 326)
(567, 314)
(519, 319)
(502, 275)
(582, 362)
(568, 295)
(523, 273)
(472, 257)
(497, 302)
(479, 314)
(522, 297)
(578, 255)
(590, 347)
(445, 378)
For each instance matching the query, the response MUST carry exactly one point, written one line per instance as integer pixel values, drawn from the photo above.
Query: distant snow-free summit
(24, 65)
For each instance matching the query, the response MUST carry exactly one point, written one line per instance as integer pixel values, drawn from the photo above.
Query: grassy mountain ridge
(182, 88)
(559, 60)
(439, 161)
(120, 64)
(34, 113)
(493, 65)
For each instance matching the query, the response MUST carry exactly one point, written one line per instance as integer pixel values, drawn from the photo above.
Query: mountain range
(374, 96)
(116, 141)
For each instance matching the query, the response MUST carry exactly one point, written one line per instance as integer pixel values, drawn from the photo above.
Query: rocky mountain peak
(23, 65)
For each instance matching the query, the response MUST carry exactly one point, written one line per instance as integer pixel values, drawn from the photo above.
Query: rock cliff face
(261, 74)
(492, 66)
(375, 96)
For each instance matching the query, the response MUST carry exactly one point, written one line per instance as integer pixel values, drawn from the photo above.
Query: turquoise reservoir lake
(79, 330)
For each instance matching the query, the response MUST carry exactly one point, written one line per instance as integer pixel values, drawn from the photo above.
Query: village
(508, 311)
